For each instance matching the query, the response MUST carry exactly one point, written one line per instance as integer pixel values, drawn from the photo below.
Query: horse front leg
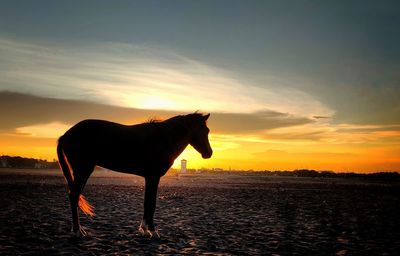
(150, 197)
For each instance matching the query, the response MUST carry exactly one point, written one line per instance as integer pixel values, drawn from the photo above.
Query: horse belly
(142, 164)
(118, 159)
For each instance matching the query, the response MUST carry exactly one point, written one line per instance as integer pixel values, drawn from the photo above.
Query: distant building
(183, 165)
(3, 162)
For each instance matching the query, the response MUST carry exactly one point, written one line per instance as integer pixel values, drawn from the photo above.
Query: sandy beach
(202, 214)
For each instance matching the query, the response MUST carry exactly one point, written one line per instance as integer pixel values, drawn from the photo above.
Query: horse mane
(193, 117)
(153, 120)
(179, 122)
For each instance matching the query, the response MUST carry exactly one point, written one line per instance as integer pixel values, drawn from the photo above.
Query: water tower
(183, 165)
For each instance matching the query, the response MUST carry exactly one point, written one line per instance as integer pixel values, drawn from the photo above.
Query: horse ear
(206, 116)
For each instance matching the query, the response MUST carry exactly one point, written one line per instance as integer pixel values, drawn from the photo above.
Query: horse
(147, 149)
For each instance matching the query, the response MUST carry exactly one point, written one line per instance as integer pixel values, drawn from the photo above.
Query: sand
(202, 214)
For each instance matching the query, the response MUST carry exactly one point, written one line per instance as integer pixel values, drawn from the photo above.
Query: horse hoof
(82, 231)
(143, 229)
(154, 234)
(79, 232)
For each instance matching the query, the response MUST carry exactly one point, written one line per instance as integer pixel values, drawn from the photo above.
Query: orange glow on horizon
(275, 150)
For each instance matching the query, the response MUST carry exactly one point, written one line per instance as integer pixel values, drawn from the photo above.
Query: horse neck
(180, 135)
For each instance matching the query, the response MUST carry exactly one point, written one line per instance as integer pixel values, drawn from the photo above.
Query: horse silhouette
(147, 149)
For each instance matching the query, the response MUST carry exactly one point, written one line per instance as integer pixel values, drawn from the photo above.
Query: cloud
(320, 117)
(353, 128)
(332, 134)
(19, 110)
(50, 130)
(305, 155)
(248, 123)
(144, 77)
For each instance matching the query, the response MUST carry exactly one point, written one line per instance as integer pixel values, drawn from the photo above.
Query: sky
(289, 84)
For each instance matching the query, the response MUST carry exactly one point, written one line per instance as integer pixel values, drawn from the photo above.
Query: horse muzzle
(207, 155)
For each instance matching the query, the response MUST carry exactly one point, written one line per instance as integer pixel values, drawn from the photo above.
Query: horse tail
(64, 165)
(83, 204)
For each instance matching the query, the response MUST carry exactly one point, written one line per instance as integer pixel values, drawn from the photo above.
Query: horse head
(199, 135)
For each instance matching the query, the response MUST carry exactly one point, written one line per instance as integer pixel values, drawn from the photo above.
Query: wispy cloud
(49, 130)
(142, 77)
(23, 111)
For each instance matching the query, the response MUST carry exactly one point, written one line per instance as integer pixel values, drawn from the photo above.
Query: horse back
(116, 146)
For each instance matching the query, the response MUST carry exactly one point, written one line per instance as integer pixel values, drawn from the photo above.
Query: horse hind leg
(81, 175)
(76, 227)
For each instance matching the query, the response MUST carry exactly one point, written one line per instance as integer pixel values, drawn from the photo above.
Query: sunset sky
(289, 84)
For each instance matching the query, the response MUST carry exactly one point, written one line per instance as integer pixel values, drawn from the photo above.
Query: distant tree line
(314, 173)
(311, 173)
(29, 163)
